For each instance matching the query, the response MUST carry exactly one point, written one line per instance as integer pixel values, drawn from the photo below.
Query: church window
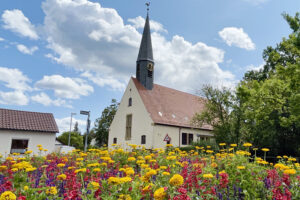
(128, 127)
(115, 141)
(150, 74)
(129, 102)
(184, 139)
(191, 138)
(143, 139)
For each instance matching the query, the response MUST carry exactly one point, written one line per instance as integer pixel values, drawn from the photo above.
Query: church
(153, 115)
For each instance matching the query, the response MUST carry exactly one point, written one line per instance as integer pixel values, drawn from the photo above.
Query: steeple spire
(145, 62)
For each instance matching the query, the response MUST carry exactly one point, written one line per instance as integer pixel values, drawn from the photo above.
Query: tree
(76, 139)
(103, 123)
(222, 113)
(272, 95)
(76, 129)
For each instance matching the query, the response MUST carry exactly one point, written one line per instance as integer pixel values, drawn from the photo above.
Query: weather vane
(148, 4)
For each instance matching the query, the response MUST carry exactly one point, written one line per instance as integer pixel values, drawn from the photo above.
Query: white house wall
(47, 140)
(160, 132)
(142, 123)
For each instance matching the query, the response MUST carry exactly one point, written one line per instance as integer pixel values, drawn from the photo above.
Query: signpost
(167, 138)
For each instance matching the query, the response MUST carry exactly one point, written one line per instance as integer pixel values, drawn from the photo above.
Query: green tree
(102, 124)
(76, 139)
(76, 129)
(272, 96)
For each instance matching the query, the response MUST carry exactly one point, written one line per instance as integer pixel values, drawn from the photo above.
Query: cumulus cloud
(237, 37)
(64, 124)
(1, 39)
(15, 21)
(65, 87)
(26, 50)
(13, 98)
(105, 49)
(45, 100)
(14, 79)
(255, 67)
(139, 22)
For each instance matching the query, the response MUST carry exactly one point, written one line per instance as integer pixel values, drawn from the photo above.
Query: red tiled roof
(27, 121)
(171, 107)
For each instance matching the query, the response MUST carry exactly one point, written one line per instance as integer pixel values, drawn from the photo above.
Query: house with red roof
(22, 130)
(153, 115)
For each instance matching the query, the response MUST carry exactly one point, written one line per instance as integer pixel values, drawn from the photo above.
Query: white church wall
(47, 140)
(175, 133)
(141, 120)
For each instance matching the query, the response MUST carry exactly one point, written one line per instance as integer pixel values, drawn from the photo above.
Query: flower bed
(138, 174)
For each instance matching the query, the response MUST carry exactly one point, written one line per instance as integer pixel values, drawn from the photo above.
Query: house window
(128, 127)
(115, 141)
(191, 138)
(184, 139)
(18, 146)
(129, 102)
(143, 139)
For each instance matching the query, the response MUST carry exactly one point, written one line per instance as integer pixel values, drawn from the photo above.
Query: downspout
(179, 136)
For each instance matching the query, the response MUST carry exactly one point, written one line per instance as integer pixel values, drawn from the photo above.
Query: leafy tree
(91, 136)
(102, 124)
(272, 96)
(76, 139)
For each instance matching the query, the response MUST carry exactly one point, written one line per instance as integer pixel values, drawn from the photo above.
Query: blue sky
(63, 56)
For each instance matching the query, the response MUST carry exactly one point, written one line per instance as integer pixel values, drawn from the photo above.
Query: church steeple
(145, 62)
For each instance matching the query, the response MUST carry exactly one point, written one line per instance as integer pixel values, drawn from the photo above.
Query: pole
(69, 140)
(87, 132)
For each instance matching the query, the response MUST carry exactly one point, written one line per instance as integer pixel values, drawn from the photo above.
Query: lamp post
(88, 123)
(69, 140)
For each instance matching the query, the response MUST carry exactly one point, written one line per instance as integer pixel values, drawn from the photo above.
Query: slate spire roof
(27, 121)
(145, 52)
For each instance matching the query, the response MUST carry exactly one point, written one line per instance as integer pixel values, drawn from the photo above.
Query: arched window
(143, 139)
(115, 141)
(129, 102)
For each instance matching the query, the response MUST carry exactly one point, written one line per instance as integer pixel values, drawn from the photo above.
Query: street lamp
(69, 140)
(88, 123)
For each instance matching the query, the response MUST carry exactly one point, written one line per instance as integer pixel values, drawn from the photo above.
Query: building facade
(153, 115)
(22, 130)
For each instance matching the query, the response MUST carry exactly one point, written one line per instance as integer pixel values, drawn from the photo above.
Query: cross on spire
(148, 5)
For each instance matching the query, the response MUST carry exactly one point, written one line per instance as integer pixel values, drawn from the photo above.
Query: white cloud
(237, 37)
(139, 22)
(15, 21)
(64, 124)
(45, 100)
(14, 79)
(255, 68)
(107, 48)
(13, 98)
(23, 49)
(65, 87)
(1, 39)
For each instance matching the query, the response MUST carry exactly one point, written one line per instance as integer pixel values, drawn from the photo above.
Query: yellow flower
(31, 169)
(166, 173)
(80, 170)
(95, 185)
(52, 190)
(39, 145)
(96, 170)
(247, 144)
(129, 171)
(265, 149)
(131, 159)
(14, 169)
(176, 180)
(255, 149)
(61, 177)
(26, 187)
(169, 145)
(278, 157)
(124, 197)
(289, 171)
(214, 165)
(222, 144)
(241, 167)
(233, 145)
(61, 165)
(208, 176)
(28, 152)
(8, 195)
(159, 194)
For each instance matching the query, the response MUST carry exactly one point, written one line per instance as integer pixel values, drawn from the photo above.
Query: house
(153, 115)
(22, 130)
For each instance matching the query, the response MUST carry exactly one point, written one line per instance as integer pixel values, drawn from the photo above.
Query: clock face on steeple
(150, 67)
